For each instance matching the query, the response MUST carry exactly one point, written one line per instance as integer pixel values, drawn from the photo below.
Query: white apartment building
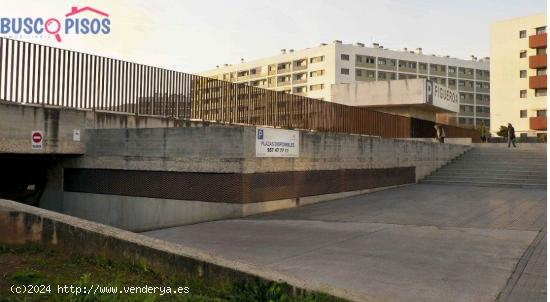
(311, 72)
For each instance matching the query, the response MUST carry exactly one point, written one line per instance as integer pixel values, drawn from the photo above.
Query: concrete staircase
(495, 165)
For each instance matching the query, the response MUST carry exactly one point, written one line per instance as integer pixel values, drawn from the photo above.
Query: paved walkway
(414, 243)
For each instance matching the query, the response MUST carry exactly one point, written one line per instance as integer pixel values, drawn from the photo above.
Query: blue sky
(197, 35)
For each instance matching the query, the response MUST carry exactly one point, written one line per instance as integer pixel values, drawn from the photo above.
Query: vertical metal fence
(38, 74)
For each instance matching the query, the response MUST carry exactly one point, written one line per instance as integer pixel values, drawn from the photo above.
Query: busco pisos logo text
(79, 21)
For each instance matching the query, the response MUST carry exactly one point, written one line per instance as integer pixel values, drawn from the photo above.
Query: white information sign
(37, 140)
(272, 142)
(76, 135)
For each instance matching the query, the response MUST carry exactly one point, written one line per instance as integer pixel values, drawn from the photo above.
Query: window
(523, 113)
(300, 89)
(283, 66)
(344, 71)
(523, 73)
(523, 54)
(461, 83)
(364, 59)
(317, 73)
(283, 79)
(523, 94)
(242, 73)
(541, 71)
(452, 82)
(300, 76)
(407, 64)
(540, 92)
(316, 87)
(381, 75)
(541, 113)
(423, 66)
(358, 72)
(316, 59)
(541, 30)
(452, 69)
(541, 51)
(522, 34)
(381, 61)
(344, 57)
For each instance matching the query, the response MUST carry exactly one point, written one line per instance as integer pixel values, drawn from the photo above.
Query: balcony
(537, 41)
(538, 61)
(537, 123)
(537, 82)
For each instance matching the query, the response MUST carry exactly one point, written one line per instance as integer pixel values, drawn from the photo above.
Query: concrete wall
(22, 224)
(227, 150)
(466, 141)
(18, 120)
(231, 149)
(381, 93)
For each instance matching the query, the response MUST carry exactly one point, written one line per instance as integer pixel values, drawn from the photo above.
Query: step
(475, 169)
(452, 169)
(497, 167)
(528, 175)
(491, 162)
(539, 181)
(511, 154)
(539, 156)
(496, 164)
(518, 155)
(485, 184)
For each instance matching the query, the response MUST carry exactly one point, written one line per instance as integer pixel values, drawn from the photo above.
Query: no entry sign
(37, 139)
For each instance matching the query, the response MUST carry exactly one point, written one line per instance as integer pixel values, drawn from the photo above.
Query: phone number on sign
(278, 150)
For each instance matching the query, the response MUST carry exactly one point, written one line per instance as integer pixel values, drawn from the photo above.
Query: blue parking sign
(260, 134)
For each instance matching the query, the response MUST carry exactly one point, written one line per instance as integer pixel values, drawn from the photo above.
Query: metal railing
(38, 74)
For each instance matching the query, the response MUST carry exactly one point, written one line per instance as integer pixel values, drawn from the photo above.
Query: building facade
(518, 80)
(312, 71)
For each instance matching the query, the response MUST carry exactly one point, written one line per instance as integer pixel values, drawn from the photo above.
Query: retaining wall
(143, 179)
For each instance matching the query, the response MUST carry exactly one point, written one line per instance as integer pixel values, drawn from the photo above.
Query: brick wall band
(231, 187)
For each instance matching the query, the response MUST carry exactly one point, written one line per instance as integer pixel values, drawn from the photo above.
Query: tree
(503, 131)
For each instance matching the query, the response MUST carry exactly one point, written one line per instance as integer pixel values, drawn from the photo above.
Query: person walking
(440, 133)
(511, 135)
(483, 132)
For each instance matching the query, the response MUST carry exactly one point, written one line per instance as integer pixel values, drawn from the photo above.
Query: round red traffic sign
(37, 137)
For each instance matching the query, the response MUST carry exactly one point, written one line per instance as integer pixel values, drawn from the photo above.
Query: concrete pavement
(414, 243)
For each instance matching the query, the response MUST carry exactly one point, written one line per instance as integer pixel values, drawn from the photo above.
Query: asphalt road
(414, 243)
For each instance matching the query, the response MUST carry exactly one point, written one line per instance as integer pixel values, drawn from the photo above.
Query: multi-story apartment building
(312, 71)
(518, 80)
